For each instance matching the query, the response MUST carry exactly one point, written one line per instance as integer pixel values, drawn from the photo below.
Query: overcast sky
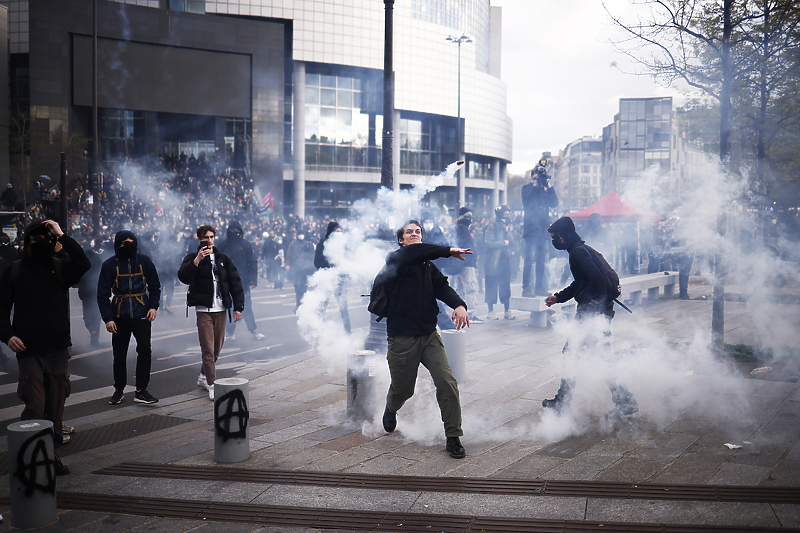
(555, 61)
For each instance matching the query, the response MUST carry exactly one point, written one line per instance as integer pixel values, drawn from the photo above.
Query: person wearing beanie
(340, 290)
(128, 295)
(594, 311)
(36, 286)
(243, 254)
(465, 282)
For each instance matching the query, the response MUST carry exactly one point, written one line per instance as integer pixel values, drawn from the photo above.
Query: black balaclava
(235, 231)
(125, 250)
(332, 225)
(564, 231)
(41, 250)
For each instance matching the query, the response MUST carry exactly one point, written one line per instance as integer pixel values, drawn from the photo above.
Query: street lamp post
(459, 131)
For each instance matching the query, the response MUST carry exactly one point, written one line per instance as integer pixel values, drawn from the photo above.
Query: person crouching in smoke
(595, 311)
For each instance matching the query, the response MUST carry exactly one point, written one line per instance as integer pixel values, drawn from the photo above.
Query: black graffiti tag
(232, 424)
(28, 471)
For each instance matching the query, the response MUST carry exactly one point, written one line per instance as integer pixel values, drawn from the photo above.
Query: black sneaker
(455, 448)
(144, 396)
(116, 398)
(389, 420)
(60, 468)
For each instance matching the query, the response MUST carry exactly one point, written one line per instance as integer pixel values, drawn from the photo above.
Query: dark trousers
(535, 258)
(247, 315)
(43, 386)
(140, 329)
(405, 354)
(91, 314)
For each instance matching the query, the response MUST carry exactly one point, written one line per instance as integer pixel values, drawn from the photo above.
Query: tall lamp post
(459, 132)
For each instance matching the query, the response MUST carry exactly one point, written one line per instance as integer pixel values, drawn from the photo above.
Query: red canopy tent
(612, 208)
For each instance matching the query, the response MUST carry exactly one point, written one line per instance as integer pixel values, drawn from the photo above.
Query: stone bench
(537, 307)
(632, 287)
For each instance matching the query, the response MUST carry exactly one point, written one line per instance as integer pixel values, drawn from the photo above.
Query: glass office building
(302, 82)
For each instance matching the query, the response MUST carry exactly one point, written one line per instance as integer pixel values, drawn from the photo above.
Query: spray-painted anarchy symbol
(232, 424)
(28, 471)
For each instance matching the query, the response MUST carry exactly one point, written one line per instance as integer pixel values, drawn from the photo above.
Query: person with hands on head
(36, 286)
(214, 288)
(411, 329)
(128, 295)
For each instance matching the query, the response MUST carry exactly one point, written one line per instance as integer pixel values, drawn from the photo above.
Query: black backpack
(384, 289)
(613, 289)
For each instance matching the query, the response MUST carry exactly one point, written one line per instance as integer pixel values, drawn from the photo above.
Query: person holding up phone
(214, 288)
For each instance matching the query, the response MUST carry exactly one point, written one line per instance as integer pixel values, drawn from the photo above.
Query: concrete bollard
(455, 345)
(231, 420)
(32, 473)
(360, 385)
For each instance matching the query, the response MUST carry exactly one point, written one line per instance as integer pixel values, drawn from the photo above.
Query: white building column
(496, 191)
(298, 138)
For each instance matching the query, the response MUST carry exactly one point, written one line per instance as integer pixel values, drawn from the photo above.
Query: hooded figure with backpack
(128, 294)
(594, 289)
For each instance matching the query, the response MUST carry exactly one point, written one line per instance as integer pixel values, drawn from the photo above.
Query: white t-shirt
(218, 306)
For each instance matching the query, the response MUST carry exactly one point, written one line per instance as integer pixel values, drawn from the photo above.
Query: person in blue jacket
(133, 280)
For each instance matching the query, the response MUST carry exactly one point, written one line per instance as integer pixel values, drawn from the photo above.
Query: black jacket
(537, 201)
(589, 285)
(414, 309)
(320, 261)
(40, 301)
(243, 256)
(120, 278)
(201, 281)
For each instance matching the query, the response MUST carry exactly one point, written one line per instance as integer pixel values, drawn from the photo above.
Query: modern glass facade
(645, 127)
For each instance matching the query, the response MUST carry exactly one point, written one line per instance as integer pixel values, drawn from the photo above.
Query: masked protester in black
(595, 310)
(133, 279)
(37, 288)
(243, 254)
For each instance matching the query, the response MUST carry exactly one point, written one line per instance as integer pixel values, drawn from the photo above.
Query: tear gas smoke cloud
(667, 377)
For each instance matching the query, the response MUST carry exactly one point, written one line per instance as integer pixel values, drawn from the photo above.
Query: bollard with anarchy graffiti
(360, 385)
(32, 473)
(231, 420)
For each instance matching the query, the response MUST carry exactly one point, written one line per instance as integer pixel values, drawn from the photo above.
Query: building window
(121, 133)
(190, 6)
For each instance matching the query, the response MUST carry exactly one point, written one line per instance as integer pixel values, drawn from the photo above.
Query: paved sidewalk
(691, 408)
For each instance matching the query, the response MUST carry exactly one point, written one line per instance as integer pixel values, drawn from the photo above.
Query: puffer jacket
(496, 251)
(201, 281)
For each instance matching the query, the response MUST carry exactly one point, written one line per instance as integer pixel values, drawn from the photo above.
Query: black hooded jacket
(39, 297)
(415, 311)
(589, 285)
(243, 255)
(131, 283)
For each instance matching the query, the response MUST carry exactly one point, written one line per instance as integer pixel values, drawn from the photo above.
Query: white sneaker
(491, 316)
(231, 337)
(202, 382)
(258, 336)
(509, 316)
(211, 392)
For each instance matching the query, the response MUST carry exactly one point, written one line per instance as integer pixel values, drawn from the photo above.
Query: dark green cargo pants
(404, 356)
